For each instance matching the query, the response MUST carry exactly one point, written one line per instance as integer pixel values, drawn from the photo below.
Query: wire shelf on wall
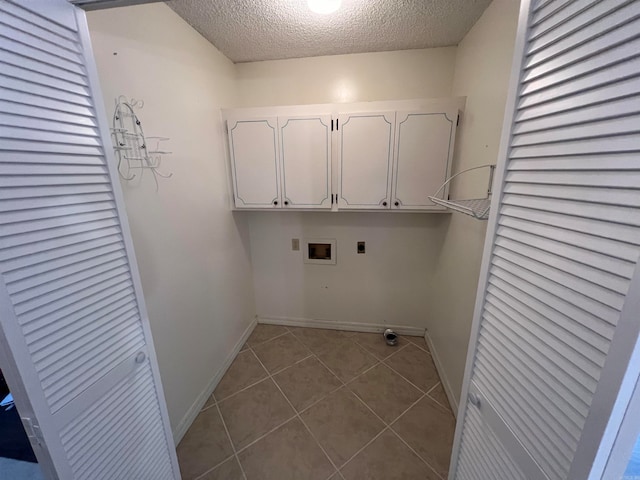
(476, 207)
(135, 151)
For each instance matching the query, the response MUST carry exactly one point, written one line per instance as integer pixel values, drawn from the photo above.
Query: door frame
(21, 398)
(492, 225)
(20, 374)
(609, 434)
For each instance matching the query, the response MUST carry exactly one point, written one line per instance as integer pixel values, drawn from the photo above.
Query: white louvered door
(554, 321)
(71, 307)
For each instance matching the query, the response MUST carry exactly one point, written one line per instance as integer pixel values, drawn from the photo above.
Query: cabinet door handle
(397, 204)
(275, 202)
(384, 204)
(286, 202)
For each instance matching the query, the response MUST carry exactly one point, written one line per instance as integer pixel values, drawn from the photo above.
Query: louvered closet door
(72, 310)
(562, 247)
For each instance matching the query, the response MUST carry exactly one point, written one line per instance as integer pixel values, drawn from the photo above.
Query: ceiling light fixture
(324, 6)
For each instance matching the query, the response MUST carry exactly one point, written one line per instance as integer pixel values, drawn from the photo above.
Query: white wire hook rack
(135, 152)
(476, 207)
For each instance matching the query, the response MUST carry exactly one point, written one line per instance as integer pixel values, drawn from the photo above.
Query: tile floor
(311, 404)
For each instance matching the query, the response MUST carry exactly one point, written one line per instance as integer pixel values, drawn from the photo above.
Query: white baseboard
(443, 377)
(351, 326)
(197, 405)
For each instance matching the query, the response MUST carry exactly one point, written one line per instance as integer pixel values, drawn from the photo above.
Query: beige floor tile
(347, 359)
(439, 395)
(418, 341)
(204, 445)
(281, 352)
(244, 371)
(306, 382)
(319, 340)
(387, 458)
(375, 344)
(342, 424)
(254, 411)
(263, 333)
(288, 453)
(416, 366)
(385, 392)
(229, 470)
(428, 428)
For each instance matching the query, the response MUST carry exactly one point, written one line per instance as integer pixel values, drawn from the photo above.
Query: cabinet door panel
(254, 162)
(365, 154)
(306, 161)
(424, 149)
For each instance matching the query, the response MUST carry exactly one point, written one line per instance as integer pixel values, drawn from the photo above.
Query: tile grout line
(448, 407)
(235, 453)
(388, 426)
(375, 437)
(304, 424)
(343, 384)
(288, 419)
(233, 447)
(249, 346)
(416, 345)
(311, 355)
(414, 451)
(405, 378)
(214, 467)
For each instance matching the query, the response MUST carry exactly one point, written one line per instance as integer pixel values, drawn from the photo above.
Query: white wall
(363, 77)
(388, 284)
(192, 251)
(385, 286)
(482, 73)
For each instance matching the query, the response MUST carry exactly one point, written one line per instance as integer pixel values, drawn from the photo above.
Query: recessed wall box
(319, 251)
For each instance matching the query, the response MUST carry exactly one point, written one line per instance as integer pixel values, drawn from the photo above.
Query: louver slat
(35, 40)
(65, 259)
(38, 80)
(46, 126)
(94, 454)
(480, 447)
(604, 16)
(566, 239)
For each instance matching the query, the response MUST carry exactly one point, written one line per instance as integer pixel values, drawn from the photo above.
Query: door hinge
(33, 431)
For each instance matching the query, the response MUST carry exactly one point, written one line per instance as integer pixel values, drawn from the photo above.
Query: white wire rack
(476, 207)
(134, 153)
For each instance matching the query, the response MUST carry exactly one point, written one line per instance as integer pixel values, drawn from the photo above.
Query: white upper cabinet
(379, 156)
(305, 152)
(365, 159)
(253, 147)
(423, 156)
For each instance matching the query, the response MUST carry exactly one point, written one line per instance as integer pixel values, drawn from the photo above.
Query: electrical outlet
(295, 244)
(361, 248)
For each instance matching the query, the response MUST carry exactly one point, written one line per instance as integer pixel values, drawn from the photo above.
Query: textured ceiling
(252, 30)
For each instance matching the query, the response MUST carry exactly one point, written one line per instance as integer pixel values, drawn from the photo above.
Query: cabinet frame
(240, 202)
(287, 202)
(450, 115)
(343, 120)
